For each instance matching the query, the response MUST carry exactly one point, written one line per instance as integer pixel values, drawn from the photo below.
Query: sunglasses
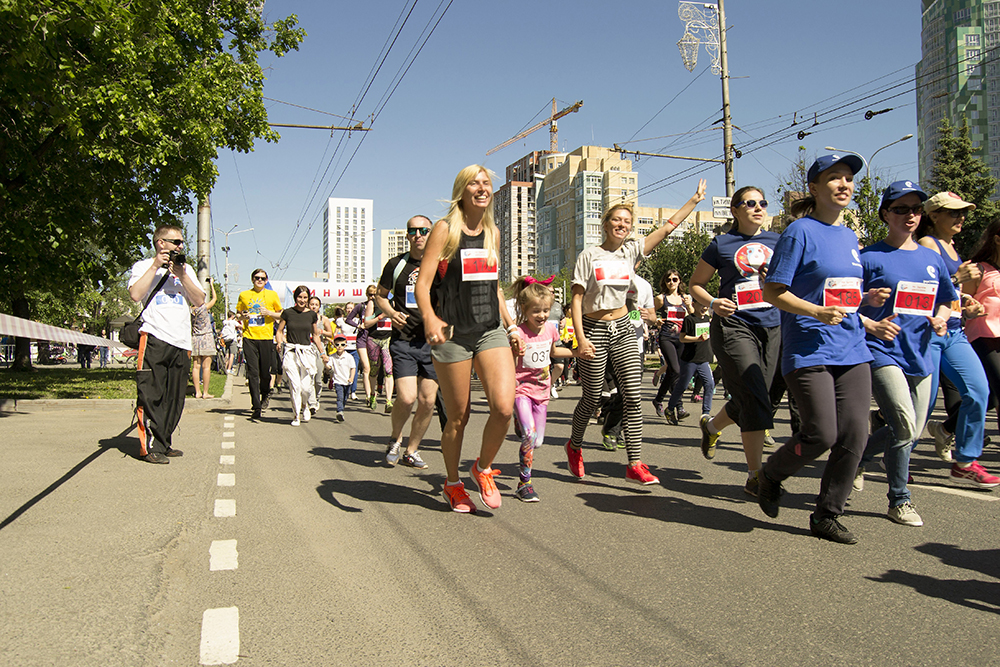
(907, 210)
(752, 203)
(176, 242)
(341, 344)
(413, 231)
(673, 280)
(260, 277)
(957, 212)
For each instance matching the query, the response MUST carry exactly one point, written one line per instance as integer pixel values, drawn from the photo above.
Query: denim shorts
(465, 347)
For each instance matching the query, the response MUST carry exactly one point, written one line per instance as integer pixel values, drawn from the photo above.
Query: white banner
(21, 328)
(327, 292)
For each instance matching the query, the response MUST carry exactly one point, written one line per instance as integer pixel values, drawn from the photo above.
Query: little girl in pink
(533, 300)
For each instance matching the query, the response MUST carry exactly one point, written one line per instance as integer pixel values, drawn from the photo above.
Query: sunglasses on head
(413, 231)
(752, 203)
(907, 210)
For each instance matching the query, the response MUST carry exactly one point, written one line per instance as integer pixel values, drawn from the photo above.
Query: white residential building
(347, 253)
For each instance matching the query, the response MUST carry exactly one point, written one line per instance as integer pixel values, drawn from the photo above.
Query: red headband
(528, 280)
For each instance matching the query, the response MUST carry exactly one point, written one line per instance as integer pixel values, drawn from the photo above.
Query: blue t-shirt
(955, 321)
(737, 257)
(886, 266)
(819, 263)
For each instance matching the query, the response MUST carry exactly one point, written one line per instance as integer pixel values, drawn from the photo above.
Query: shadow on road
(981, 595)
(371, 491)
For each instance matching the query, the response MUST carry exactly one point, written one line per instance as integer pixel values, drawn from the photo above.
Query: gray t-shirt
(606, 276)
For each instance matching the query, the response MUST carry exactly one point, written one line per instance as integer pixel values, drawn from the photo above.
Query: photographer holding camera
(164, 341)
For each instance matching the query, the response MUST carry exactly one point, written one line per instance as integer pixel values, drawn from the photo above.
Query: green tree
(958, 169)
(681, 254)
(792, 184)
(864, 220)
(111, 114)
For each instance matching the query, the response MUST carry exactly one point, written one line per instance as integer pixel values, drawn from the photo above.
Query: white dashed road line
(227, 460)
(228, 444)
(227, 479)
(225, 508)
(220, 636)
(222, 555)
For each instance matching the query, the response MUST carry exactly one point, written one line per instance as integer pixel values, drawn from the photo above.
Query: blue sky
(490, 69)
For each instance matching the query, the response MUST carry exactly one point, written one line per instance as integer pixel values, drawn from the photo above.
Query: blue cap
(826, 161)
(899, 189)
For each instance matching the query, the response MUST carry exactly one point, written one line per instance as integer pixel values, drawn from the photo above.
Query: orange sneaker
(575, 457)
(639, 473)
(458, 498)
(487, 487)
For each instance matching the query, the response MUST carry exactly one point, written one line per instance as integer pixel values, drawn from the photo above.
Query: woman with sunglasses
(984, 334)
(259, 307)
(672, 306)
(606, 336)
(746, 330)
(362, 318)
(814, 278)
(899, 334)
(298, 333)
(465, 317)
(966, 389)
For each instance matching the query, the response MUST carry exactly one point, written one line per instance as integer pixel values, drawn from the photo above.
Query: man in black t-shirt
(412, 368)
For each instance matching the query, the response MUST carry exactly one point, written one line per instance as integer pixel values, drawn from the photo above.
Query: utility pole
(225, 249)
(204, 226)
(727, 121)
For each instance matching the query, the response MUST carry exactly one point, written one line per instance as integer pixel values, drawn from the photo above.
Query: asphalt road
(334, 558)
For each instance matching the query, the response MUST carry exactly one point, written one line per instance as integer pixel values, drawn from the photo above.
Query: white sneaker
(859, 479)
(306, 415)
(905, 514)
(295, 422)
(354, 396)
(943, 441)
(392, 454)
(554, 393)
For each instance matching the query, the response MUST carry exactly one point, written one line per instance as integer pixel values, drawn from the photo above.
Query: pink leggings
(531, 416)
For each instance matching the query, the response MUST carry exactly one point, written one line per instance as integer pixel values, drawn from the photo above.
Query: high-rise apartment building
(393, 243)
(955, 79)
(347, 252)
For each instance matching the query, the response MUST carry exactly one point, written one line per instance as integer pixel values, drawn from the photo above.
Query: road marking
(229, 434)
(229, 418)
(228, 444)
(222, 555)
(227, 459)
(225, 508)
(978, 495)
(227, 479)
(220, 636)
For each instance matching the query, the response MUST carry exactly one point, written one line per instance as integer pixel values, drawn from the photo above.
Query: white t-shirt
(168, 316)
(641, 292)
(228, 332)
(606, 276)
(342, 363)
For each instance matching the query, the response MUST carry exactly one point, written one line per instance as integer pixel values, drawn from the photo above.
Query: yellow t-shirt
(258, 326)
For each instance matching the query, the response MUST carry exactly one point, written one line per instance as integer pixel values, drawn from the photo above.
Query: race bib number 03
(914, 298)
(749, 295)
(536, 355)
(843, 293)
(475, 265)
(612, 272)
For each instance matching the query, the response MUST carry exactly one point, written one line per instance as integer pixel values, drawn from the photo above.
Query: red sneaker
(975, 475)
(458, 498)
(487, 487)
(638, 472)
(575, 457)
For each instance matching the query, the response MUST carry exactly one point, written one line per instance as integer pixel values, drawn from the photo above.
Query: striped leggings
(615, 344)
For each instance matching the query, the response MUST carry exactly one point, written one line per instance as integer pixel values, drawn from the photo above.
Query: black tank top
(465, 296)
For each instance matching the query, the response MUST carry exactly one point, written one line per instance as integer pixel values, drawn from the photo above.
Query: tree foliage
(864, 220)
(958, 169)
(680, 254)
(111, 114)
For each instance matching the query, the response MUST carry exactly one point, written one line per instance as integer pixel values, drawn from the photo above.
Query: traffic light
(559, 295)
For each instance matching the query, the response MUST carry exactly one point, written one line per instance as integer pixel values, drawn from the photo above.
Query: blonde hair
(456, 216)
(607, 216)
(526, 293)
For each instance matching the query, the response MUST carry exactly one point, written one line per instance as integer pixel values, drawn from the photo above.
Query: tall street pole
(204, 228)
(727, 121)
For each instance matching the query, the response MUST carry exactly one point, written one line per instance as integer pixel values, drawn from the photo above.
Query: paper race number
(914, 298)
(843, 293)
(536, 355)
(475, 265)
(749, 295)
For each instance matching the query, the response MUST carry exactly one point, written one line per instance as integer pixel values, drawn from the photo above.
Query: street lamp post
(868, 161)
(225, 249)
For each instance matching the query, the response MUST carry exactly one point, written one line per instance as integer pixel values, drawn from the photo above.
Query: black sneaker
(831, 529)
(155, 457)
(768, 494)
(671, 416)
(264, 402)
(681, 413)
(174, 452)
(255, 415)
(708, 439)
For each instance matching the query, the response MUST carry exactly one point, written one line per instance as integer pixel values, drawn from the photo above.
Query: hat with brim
(899, 189)
(339, 337)
(826, 161)
(947, 200)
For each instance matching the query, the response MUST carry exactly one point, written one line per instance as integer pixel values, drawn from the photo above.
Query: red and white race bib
(475, 265)
(914, 298)
(612, 272)
(536, 355)
(676, 314)
(843, 293)
(749, 295)
(385, 324)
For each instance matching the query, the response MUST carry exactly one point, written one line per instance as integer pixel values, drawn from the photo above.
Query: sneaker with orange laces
(458, 498)
(638, 472)
(974, 475)
(575, 457)
(487, 487)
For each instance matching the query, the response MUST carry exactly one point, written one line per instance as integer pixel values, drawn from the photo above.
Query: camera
(178, 258)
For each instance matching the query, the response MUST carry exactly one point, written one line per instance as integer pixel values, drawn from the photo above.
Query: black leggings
(670, 346)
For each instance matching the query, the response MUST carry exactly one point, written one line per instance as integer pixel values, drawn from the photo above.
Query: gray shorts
(463, 348)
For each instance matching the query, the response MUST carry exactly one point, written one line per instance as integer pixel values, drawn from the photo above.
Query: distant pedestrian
(164, 342)
(326, 329)
(672, 305)
(203, 345)
(344, 369)
(696, 357)
(103, 351)
(259, 307)
(299, 337)
(230, 338)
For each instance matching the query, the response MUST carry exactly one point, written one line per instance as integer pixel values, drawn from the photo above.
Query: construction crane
(553, 128)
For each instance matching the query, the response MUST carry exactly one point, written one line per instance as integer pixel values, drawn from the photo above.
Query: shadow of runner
(984, 561)
(981, 595)
(372, 491)
(119, 442)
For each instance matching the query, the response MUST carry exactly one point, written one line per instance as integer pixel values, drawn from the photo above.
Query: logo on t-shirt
(750, 256)
(932, 272)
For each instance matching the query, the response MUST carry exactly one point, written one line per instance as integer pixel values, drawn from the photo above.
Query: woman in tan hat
(967, 389)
